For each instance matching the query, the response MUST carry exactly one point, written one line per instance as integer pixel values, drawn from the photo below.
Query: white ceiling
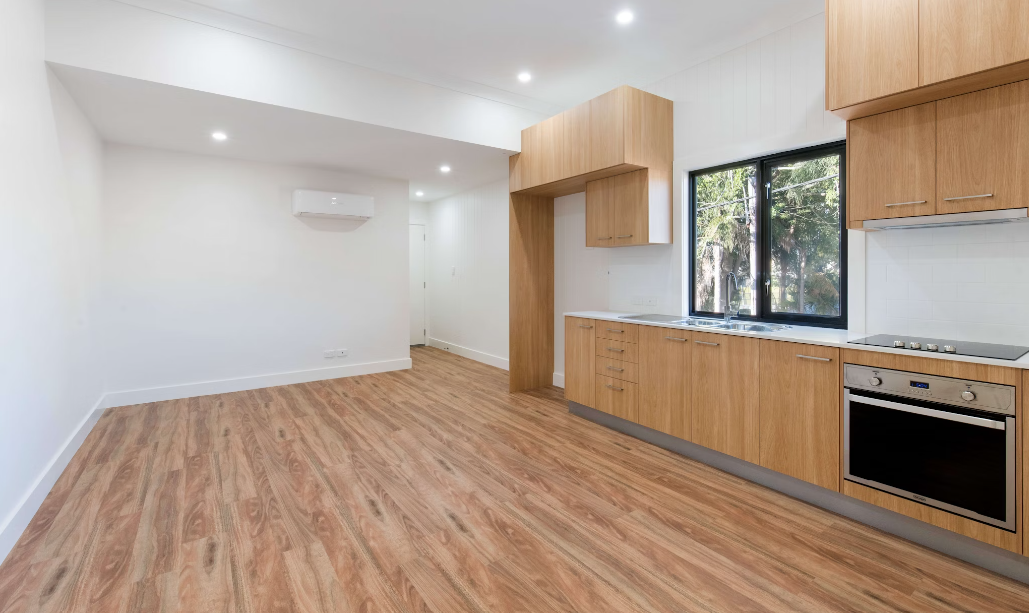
(148, 114)
(574, 48)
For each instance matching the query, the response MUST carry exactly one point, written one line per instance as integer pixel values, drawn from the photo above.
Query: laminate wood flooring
(435, 489)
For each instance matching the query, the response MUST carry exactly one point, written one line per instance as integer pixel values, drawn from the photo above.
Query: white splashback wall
(965, 283)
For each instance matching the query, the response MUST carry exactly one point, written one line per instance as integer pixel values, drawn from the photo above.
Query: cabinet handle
(617, 389)
(904, 203)
(618, 331)
(618, 350)
(811, 357)
(706, 343)
(604, 238)
(672, 338)
(616, 369)
(624, 236)
(969, 197)
(587, 327)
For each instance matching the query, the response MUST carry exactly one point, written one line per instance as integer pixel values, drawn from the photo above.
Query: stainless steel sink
(714, 324)
(654, 319)
(754, 327)
(703, 323)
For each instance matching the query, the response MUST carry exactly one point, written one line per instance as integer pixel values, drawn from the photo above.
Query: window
(768, 235)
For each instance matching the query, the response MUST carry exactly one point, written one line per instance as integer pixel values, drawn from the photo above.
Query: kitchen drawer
(628, 333)
(616, 397)
(618, 369)
(618, 350)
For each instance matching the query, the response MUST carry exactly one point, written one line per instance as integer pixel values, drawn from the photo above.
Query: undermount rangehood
(977, 218)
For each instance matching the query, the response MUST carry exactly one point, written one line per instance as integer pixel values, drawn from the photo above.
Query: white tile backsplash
(965, 283)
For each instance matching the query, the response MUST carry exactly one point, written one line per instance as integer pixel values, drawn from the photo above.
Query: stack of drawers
(617, 369)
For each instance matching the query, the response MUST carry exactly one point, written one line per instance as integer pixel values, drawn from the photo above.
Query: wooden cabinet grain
(871, 50)
(615, 397)
(892, 164)
(580, 352)
(983, 148)
(800, 411)
(724, 395)
(961, 37)
(664, 367)
(623, 210)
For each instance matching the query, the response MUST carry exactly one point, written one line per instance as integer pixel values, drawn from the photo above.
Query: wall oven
(943, 442)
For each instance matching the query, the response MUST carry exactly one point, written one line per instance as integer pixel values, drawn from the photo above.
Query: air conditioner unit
(330, 205)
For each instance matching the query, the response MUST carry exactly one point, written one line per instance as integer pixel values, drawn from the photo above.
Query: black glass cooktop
(942, 345)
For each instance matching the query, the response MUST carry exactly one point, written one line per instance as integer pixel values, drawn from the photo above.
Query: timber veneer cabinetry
(618, 212)
(724, 394)
(664, 400)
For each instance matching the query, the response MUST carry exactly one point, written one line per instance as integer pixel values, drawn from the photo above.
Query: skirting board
(559, 380)
(17, 521)
(226, 386)
(992, 558)
(478, 356)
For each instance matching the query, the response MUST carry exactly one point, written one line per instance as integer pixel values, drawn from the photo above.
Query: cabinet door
(892, 164)
(607, 129)
(872, 49)
(960, 37)
(600, 213)
(580, 350)
(631, 215)
(615, 397)
(575, 158)
(983, 143)
(663, 371)
(800, 411)
(725, 395)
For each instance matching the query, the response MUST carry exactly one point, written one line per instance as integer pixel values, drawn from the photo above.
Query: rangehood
(953, 219)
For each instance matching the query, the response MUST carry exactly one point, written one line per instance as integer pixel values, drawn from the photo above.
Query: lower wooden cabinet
(615, 396)
(800, 411)
(724, 394)
(664, 402)
(580, 350)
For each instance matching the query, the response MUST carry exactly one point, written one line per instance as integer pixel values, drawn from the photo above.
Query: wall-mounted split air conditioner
(330, 205)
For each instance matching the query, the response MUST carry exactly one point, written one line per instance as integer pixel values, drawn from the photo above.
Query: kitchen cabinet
(618, 331)
(619, 211)
(983, 148)
(580, 347)
(615, 397)
(871, 49)
(630, 126)
(663, 401)
(617, 369)
(556, 148)
(961, 37)
(892, 164)
(800, 411)
(724, 394)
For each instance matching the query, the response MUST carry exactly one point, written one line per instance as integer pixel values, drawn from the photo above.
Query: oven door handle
(907, 408)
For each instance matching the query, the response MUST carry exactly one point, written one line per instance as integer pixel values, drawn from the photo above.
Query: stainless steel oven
(946, 443)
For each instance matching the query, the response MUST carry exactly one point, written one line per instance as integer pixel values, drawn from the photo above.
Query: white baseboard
(226, 386)
(559, 379)
(472, 354)
(19, 518)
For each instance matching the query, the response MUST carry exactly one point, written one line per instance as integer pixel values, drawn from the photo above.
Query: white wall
(211, 284)
(468, 274)
(49, 192)
(419, 213)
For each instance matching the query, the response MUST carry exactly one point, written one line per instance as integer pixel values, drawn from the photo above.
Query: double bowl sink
(713, 324)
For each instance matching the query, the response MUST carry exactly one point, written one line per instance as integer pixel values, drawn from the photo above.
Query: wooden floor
(435, 489)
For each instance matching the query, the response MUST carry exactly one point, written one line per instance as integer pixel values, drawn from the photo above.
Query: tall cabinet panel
(724, 394)
(664, 368)
(580, 352)
(960, 37)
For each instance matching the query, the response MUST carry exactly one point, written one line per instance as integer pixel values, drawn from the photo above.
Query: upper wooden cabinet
(664, 402)
(871, 49)
(983, 149)
(580, 349)
(628, 209)
(961, 37)
(892, 164)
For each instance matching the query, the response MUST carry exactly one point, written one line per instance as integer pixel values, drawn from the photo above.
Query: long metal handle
(811, 357)
(672, 338)
(705, 343)
(624, 236)
(616, 369)
(618, 331)
(618, 350)
(617, 389)
(604, 238)
(969, 197)
(907, 408)
(582, 326)
(905, 203)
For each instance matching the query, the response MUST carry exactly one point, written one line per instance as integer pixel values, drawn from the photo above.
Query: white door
(417, 251)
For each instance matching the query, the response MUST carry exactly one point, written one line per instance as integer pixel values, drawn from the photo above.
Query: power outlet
(341, 353)
(650, 301)
(329, 353)
(637, 300)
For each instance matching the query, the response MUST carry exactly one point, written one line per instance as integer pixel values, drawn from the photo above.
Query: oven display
(920, 385)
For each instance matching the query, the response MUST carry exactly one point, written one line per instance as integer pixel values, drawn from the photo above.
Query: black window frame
(762, 298)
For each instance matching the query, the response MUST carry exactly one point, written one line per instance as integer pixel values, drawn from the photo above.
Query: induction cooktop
(942, 345)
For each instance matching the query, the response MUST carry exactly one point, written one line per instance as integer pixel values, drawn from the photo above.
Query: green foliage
(726, 236)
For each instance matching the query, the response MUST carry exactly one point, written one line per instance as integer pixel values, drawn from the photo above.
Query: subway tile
(959, 272)
(908, 238)
(960, 235)
(932, 253)
(918, 273)
(909, 309)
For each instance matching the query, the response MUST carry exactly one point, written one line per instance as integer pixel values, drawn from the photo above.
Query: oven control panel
(957, 392)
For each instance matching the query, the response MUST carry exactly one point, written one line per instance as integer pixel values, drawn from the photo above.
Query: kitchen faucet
(729, 313)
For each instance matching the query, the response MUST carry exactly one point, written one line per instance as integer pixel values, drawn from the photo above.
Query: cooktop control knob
(916, 345)
(950, 349)
(899, 344)
(932, 347)
(968, 395)
(875, 381)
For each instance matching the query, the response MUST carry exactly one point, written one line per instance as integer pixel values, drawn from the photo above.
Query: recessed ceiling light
(524, 77)
(419, 193)
(625, 17)
(219, 136)
(444, 168)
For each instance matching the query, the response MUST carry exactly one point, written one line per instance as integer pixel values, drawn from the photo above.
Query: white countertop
(810, 336)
